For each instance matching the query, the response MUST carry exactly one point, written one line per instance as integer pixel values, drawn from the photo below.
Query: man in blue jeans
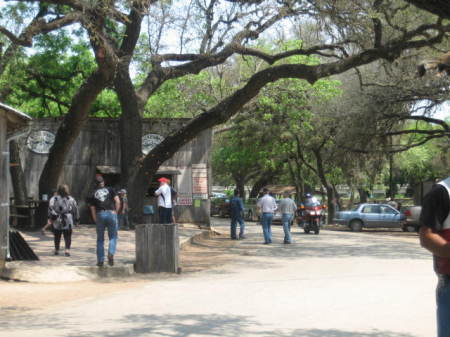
(288, 207)
(237, 216)
(435, 237)
(267, 206)
(104, 205)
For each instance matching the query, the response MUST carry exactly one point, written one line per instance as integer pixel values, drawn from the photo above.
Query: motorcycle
(310, 216)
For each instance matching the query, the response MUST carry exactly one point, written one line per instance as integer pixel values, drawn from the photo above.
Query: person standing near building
(288, 207)
(435, 236)
(62, 215)
(122, 215)
(237, 216)
(267, 206)
(164, 201)
(104, 205)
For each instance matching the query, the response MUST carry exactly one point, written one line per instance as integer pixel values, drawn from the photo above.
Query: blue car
(371, 216)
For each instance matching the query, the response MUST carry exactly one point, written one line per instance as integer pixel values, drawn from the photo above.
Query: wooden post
(157, 248)
(4, 192)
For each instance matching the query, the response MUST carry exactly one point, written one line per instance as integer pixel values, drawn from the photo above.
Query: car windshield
(354, 208)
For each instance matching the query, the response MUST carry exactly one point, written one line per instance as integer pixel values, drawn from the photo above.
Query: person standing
(288, 207)
(49, 213)
(391, 202)
(267, 206)
(122, 215)
(104, 206)
(237, 216)
(174, 198)
(63, 214)
(435, 237)
(164, 201)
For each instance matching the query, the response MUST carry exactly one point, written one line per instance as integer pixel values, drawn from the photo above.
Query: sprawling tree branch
(40, 26)
(199, 62)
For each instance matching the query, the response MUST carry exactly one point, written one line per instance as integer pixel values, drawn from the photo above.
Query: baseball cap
(163, 180)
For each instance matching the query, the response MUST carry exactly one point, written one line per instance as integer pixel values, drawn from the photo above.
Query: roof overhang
(15, 119)
(172, 170)
(105, 169)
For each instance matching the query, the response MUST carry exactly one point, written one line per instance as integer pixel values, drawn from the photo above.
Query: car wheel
(356, 225)
(409, 228)
(317, 231)
(306, 230)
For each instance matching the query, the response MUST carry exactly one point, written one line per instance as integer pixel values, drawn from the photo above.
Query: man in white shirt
(267, 206)
(164, 201)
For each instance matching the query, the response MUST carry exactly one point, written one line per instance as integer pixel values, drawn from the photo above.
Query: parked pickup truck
(371, 216)
(412, 214)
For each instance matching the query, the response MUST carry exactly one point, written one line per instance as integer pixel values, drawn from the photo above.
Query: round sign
(40, 141)
(149, 141)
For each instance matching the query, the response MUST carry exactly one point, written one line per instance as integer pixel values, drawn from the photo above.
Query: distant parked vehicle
(412, 214)
(371, 216)
(250, 209)
(220, 206)
(276, 216)
(215, 195)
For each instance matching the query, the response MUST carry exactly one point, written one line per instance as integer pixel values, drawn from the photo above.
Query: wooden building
(97, 150)
(12, 124)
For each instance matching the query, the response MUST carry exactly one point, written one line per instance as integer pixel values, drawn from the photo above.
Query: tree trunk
(130, 126)
(264, 179)
(329, 188)
(137, 188)
(362, 194)
(330, 203)
(240, 185)
(337, 198)
(438, 7)
(297, 177)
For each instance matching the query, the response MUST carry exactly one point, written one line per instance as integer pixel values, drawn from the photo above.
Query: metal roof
(16, 112)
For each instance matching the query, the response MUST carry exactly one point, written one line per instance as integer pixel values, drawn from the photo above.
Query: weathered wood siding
(157, 248)
(4, 191)
(98, 145)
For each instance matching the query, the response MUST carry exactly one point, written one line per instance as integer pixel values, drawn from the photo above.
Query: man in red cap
(164, 201)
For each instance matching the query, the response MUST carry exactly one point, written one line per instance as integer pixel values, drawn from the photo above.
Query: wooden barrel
(157, 248)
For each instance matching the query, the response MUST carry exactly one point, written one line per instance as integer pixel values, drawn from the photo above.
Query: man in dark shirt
(435, 237)
(237, 216)
(104, 205)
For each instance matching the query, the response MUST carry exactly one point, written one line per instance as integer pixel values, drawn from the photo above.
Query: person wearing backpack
(63, 215)
(173, 196)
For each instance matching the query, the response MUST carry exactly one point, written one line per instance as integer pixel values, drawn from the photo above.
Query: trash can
(149, 212)
(157, 248)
